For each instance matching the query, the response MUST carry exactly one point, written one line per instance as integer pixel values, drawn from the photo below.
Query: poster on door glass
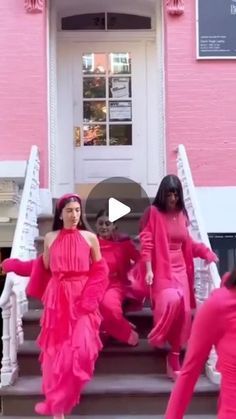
(120, 111)
(119, 87)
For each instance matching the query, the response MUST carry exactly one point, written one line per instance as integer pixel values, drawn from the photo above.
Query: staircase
(128, 382)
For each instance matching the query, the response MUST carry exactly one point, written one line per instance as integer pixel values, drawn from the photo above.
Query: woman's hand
(149, 274)
(149, 277)
(211, 257)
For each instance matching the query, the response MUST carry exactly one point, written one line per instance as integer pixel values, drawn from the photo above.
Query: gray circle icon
(124, 202)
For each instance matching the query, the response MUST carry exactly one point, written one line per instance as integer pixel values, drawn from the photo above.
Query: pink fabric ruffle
(69, 338)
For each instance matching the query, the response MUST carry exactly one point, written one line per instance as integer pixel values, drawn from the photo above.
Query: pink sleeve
(39, 278)
(95, 286)
(204, 334)
(201, 251)
(146, 236)
(19, 267)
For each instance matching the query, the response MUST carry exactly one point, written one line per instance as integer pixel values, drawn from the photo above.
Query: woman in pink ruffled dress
(76, 278)
(167, 252)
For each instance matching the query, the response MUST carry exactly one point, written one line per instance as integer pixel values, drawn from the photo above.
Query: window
(107, 99)
(225, 247)
(105, 21)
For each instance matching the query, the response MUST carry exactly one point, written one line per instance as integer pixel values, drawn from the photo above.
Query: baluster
(6, 370)
(14, 340)
(210, 368)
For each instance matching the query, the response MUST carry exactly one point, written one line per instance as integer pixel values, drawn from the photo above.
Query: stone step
(34, 304)
(142, 319)
(115, 358)
(115, 417)
(133, 394)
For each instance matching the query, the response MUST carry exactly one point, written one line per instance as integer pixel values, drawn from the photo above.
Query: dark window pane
(89, 21)
(94, 135)
(119, 87)
(120, 135)
(124, 21)
(94, 87)
(94, 111)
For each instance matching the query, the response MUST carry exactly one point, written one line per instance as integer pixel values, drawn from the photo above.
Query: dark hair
(169, 183)
(58, 223)
(231, 280)
(102, 213)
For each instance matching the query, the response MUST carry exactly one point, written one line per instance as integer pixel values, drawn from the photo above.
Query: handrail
(23, 247)
(206, 276)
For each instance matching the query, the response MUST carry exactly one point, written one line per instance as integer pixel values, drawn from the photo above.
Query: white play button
(116, 209)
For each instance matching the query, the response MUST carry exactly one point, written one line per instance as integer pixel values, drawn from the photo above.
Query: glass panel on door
(107, 99)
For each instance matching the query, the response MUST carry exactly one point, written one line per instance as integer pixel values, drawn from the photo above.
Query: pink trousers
(114, 322)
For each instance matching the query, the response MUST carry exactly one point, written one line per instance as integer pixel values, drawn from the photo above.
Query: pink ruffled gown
(69, 338)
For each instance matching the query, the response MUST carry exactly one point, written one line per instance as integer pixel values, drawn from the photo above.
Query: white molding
(144, 36)
(163, 94)
(48, 91)
(13, 169)
(160, 45)
(215, 209)
(98, 36)
(53, 120)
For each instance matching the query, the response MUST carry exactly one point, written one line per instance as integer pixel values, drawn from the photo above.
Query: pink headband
(61, 201)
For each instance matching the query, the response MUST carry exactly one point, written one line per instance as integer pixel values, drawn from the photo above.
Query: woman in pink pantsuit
(72, 284)
(214, 324)
(167, 251)
(119, 253)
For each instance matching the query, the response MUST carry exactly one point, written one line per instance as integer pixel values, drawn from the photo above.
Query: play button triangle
(116, 209)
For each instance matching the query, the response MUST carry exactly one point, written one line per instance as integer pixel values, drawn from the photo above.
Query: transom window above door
(105, 21)
(107, 99)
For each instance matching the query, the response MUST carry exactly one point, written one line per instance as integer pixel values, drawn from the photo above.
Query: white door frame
(61, 180)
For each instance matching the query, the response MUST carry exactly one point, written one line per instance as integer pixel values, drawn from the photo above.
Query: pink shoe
(133, 338)
(43, 408)
(173, 365)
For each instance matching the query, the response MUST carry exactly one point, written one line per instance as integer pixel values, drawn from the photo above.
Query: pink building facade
(175, 98)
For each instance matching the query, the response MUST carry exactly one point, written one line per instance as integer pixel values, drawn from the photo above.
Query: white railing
(13, 300)
(206, 276)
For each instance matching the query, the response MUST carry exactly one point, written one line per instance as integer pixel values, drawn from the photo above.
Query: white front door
(109, 111)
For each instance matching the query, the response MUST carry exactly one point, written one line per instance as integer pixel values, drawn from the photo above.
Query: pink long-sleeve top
(155, 248)
(118, 255)
(214, 324)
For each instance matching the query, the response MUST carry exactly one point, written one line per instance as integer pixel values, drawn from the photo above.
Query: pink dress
(172, 310)
(214, 324)
(69, 338)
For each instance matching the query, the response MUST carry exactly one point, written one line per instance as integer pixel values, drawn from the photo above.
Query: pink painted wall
(23, 84)
(200, 105)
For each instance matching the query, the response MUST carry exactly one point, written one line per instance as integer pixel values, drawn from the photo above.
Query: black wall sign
(216, 28)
